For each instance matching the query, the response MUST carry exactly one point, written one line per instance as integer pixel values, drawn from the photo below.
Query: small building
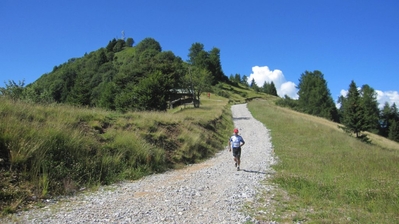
(179, 97)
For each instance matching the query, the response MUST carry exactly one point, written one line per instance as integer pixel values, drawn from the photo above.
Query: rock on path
(209, 192)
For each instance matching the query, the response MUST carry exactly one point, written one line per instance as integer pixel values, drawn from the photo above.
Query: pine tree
(370, 106)
(272, 89)
(384, 120)
(353, 113)
(394, 131)
(315, 97)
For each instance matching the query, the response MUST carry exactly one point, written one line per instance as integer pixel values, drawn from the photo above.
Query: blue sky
(266, 40)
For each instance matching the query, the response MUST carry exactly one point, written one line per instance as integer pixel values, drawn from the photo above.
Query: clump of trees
(125, 77)
(358, 111)
(314, 97)
(268, 88)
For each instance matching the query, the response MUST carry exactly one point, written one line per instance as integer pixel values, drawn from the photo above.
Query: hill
(124, 77)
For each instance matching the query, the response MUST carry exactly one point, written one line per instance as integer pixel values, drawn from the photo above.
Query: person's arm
(229, 145)
(242, 142)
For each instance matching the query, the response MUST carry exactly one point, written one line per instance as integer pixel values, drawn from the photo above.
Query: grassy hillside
(325, 176)
(58, 149)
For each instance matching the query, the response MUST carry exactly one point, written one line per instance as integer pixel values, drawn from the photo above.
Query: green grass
(324, 175)
(58, 149)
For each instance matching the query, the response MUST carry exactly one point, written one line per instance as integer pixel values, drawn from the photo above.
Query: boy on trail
(236, 141)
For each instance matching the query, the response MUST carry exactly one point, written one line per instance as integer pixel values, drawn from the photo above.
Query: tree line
(268, 88)
(357, 112)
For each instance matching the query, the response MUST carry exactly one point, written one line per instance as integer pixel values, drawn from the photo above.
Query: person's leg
(235, 155)
(238, 158)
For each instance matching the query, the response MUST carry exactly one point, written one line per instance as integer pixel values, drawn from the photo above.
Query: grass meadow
(50, 150)
(325, 176)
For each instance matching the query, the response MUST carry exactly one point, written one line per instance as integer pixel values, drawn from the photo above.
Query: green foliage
(254, 85)
(129, 42)
(235, 79)
(389, 119)
(196, 81)
(371, 112)
(210, 61)
(288, 102)
(353, 112)
(269, 88)
(394, 131)
(152, 93)
(315, 97)
(244, 80)
(122, 77)
(116, 78)
(148, 44)
(13, 90)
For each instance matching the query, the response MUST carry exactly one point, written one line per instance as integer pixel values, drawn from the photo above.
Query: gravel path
(209, 192)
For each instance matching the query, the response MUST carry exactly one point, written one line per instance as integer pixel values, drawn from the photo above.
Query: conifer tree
(385, 115)
(353, 113)
(370, 106)
(394, 131)
(272, 89)
(315, 97)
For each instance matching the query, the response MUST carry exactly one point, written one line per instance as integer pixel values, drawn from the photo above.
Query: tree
(148, 43)
(111, 45)
(254, 86)
(120, 44)
(394, 131)
(272, 89)
(244, 80)
(385, 117)
(315, 97)
(129, 42)
(81, 91)
(196, 81)
(13, 90)
(353, 113)
(269, 88)
(237, 78)
(215, 66)
(194, 51)
(198, 57)
(152, 92)
(107, 96)
(370, 106)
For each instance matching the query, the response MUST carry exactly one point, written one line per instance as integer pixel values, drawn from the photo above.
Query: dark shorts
(237, 152)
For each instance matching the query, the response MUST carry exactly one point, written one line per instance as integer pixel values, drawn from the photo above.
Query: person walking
(235, 143)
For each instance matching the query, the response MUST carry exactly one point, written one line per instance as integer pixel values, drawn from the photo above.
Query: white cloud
(344, 92)
(382, 97)
(283, 87)
(387, 96)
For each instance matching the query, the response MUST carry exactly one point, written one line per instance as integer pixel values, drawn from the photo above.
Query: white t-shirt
(236, 140)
